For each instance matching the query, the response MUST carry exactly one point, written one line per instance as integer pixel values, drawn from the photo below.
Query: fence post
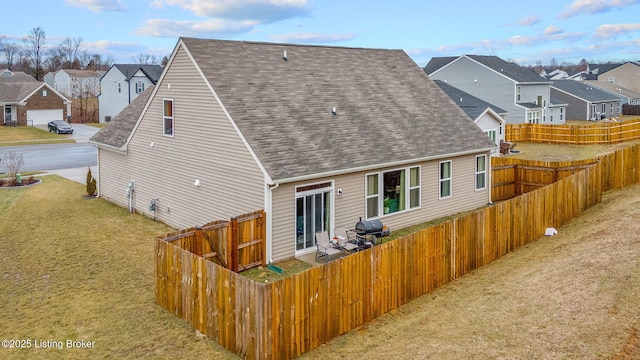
(263, 222)
(232, 245)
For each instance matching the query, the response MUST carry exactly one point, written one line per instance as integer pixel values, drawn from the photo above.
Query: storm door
(313, 213)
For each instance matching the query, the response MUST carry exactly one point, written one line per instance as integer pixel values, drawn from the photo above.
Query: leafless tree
(11, 52)
(70, 47)
(12, 162)
(33, 49)
(144, 59)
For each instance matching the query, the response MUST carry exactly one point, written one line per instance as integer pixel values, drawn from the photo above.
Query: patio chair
(325, 249)
(344, 240)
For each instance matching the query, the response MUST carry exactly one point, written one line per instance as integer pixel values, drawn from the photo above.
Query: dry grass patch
(29, 135)
(80, 269)
(575, 295)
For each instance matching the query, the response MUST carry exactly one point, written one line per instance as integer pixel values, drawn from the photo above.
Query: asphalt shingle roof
(17, 91)
(387, 109)
(508, 69)
(470, 104)
(152, 71)
(583, 90)
(119, 128)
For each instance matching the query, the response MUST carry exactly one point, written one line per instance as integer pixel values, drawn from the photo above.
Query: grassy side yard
(78, 269)
(28, 135)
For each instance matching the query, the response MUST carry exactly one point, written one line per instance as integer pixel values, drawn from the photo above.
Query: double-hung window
(445, 179)
(492, 134)
(168, 117)
(481, 172)
(139, 87)
(392, 191)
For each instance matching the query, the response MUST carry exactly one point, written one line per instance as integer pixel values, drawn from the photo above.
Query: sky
(528, 33)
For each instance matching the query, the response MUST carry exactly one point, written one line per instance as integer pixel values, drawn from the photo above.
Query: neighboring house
(522, 92)
(488, 117)
(32, 103)
(625, 74)
(8, 76)
(628, 96)
(586, 102)
(75, 83)
(319, 137)
(121, 84)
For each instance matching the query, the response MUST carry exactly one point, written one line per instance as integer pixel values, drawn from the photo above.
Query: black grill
(369, 228)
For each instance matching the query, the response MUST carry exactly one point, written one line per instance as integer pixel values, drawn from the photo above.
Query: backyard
(86, 273)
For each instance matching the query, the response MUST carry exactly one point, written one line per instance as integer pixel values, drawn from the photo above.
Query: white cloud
(210, 28)
(578, 7)
(312, 38)
(99, 5)
(262, 11)
(528, 20)
(552, 30)
(612, 30)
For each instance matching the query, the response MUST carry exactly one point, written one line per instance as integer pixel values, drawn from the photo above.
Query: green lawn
(28, 135)
(83, 269)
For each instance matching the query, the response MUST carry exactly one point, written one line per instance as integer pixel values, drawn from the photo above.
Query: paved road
(54, 156)
(68, 160)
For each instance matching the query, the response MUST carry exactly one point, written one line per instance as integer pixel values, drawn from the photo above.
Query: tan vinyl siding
(205, 147)
(351, 206)
(112, 177)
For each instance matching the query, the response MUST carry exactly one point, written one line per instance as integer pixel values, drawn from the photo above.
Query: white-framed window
(139, 87)
(392, 191)
(45, 93)
(534, 116)
(167, 119)
(518, 93)
(561, 113)
(611, 108)
(481, 172)
(493, 135)
(445, 179)
(551, 114)
(119, 87)
(611, 79)
(603, 108)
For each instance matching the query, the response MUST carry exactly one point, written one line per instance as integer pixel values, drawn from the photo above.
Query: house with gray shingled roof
(122, 84)
(585, 101)
(27, 102)
(523, 93)
(74, 83)
(489, 118)
(626, 74)
(628, 96)
(317, 136)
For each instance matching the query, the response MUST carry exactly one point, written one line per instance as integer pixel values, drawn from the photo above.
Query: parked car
(60, 127)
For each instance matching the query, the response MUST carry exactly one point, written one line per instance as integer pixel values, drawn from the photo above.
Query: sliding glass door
(313, 214)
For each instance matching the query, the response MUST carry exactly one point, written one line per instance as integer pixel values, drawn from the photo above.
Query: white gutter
(376, 166)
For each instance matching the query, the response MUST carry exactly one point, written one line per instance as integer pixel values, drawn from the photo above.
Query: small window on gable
(139, 87)
(119, 87)
(167, 119)
(44, 93)
(518, 93)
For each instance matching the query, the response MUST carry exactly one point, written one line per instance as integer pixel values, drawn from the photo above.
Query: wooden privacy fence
(285, 318)
(511, 177)
(601, 133)
(238, 244)
(628, 109)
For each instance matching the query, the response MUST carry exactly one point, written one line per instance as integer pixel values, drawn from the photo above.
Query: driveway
(82, 133)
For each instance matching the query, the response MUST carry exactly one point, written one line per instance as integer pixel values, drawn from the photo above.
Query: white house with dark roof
(489, 118)
(523, 93)
(319, 137)
(122, 84)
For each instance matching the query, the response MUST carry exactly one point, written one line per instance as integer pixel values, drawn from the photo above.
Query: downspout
(268, 209)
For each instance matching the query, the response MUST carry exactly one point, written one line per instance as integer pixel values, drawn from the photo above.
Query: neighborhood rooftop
(584, 91)
(510, 70)
(471, 105)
